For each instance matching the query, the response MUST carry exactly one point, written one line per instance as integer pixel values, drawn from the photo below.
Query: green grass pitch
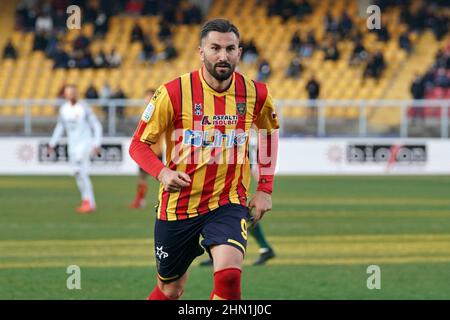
(326, 232)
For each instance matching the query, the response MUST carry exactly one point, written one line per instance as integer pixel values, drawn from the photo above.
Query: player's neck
(215, 84)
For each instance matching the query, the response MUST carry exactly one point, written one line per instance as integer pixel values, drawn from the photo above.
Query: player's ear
(239, 52)
(201, 52)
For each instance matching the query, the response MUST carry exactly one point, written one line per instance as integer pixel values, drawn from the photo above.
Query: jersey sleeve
(157, 116)
(58, 131)
(267, 118)
(95, 125)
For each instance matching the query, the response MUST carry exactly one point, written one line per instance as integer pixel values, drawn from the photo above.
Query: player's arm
(155, 120)
(57, 134)
(267, 124)
(96, 127)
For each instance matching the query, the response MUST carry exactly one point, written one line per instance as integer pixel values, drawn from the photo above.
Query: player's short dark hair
(149, 90)
(219, 25)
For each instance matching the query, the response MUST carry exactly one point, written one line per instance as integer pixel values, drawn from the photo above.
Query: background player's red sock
(157, 294)
(141, 191)
(227, 284)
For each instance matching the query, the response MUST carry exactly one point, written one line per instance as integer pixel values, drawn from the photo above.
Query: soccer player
(142, 187)
(84, 133)
(206, 116)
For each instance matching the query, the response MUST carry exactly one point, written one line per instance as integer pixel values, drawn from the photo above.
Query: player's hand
(97, 151)
(172, 180)
(261, 202)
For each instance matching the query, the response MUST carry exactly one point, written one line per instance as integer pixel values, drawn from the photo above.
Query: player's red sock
(141, 191)
(157, 294)
(227, 284)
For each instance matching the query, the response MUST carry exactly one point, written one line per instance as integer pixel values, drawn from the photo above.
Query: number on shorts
(244, 229)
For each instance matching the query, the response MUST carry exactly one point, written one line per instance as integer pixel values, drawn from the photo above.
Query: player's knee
(172, 290)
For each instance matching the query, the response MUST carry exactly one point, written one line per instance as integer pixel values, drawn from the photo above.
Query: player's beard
(220, 76)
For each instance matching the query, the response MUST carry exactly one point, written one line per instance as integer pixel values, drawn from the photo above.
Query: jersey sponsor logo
(214, 138)
(147, 115)
(205, 121)
(220, 120)
(198, 109)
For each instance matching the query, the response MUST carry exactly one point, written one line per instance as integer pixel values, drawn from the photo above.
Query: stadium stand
(34, 74)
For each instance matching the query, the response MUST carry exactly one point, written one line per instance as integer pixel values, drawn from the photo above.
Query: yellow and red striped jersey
(207, 137)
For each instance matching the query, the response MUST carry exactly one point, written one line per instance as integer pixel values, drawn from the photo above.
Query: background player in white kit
(84, 133)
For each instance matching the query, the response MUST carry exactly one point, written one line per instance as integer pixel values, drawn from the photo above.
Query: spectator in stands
(26, 14)
(296, 42)
(359, 54)
(137, 34)
(249, 52)
(114, 58)
(313, 88)
(295, 68)
(417, 90)
(192, 14)
(404, 42)
(91, 92)
(148, 50)
(81, 43)
(418, 87)
(331, 25)
(331, 50)
(134, 7)
(264, 70)
(90, 12)
(442, 80)
(40, 42)
(307, 48)
(100, 59)
(375, 65)
(52, 45)
(85, 60)
(151, 7)
(60, 20)
(164, 31)
(101, 24)
(44, 23)
(60, 58)
(9, 52)
(382, 33)
(345, 25)
(169, 51)
(168, 12)
(302, 8)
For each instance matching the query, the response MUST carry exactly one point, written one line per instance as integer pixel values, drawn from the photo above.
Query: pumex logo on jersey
(109, 153)
(387, 153)
(198, 109)
(214, 138)
(241, 108)
(220, 120)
